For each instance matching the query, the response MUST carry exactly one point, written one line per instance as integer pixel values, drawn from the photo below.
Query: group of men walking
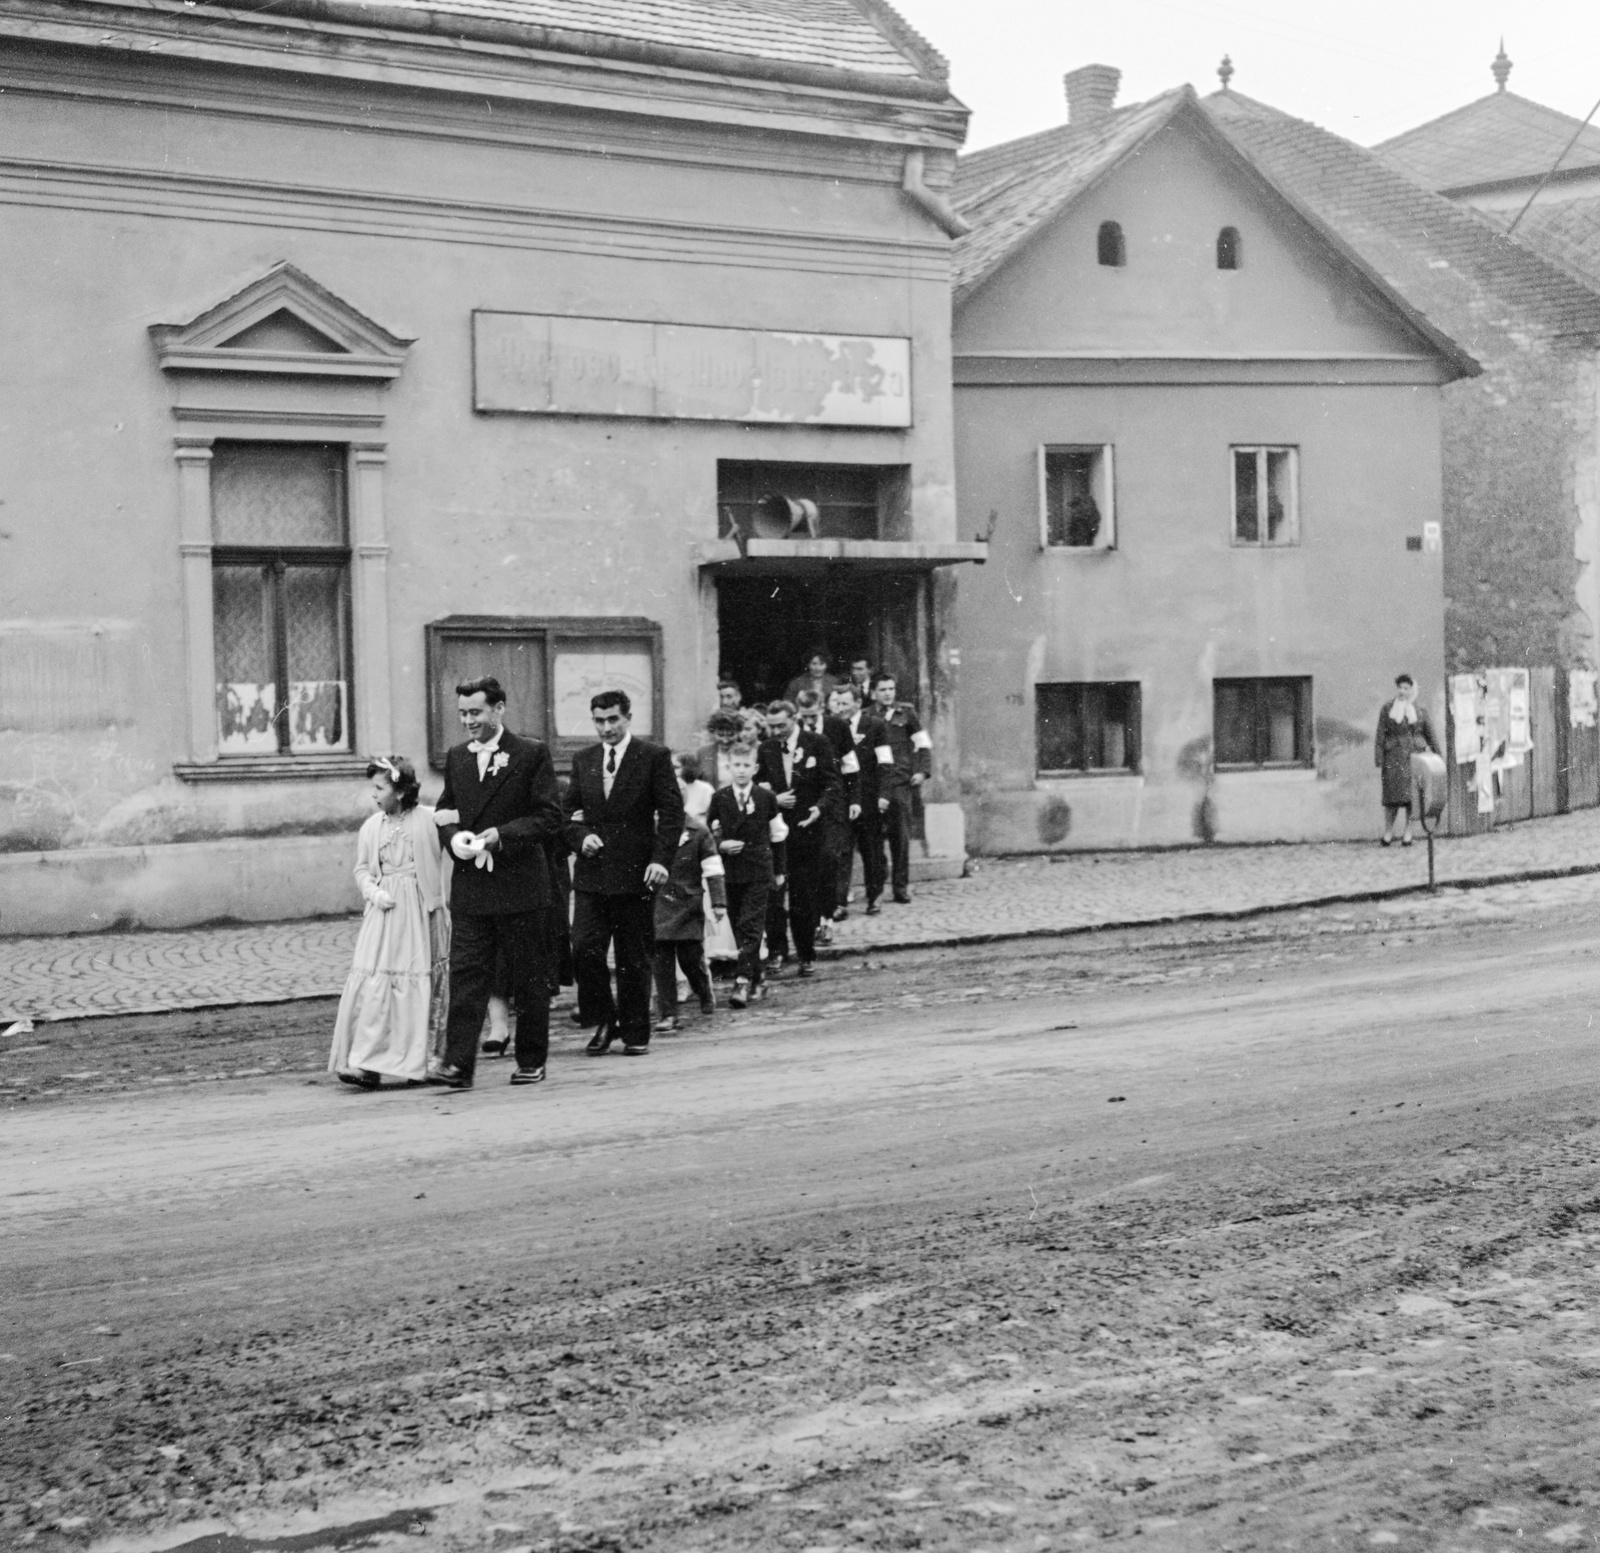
(801, 786)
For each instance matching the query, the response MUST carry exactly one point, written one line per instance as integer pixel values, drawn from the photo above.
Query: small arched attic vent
(1229, 248)
(1109, 247)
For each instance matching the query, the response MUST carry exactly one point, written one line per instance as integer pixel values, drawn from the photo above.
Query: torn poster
(1582, 701)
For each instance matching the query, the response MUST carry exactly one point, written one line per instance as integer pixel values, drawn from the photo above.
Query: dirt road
(1277, 1235)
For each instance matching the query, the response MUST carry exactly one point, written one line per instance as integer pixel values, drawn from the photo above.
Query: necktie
(611, 761)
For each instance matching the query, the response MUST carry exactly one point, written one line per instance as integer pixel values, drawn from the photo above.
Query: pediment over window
(282, 323)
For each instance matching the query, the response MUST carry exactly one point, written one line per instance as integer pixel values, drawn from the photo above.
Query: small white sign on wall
(1432, 538)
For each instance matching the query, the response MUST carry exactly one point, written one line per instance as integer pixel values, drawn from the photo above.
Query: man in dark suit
(501, 791)
(624, 816)
(798, 768)
(870, 741)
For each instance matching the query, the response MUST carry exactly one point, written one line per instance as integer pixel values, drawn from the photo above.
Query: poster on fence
(1491, 711)
(1506, 726)
(1582, 701)
(1464, 715)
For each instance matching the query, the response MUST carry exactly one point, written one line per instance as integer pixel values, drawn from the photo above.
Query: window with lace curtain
(281, 598)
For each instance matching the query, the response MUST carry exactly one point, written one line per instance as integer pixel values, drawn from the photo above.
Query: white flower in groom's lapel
(499, 763)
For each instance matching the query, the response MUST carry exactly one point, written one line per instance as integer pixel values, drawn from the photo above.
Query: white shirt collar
(621, 749)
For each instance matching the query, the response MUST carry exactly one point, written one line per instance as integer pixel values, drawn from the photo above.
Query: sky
(1365, 69)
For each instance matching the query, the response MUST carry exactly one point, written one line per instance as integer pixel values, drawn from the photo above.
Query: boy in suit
(750, 832)
(680, 918)
(802, 774)
(502, 792)
(624, 816)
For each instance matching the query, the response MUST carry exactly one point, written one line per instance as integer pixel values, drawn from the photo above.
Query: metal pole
(1433, 887)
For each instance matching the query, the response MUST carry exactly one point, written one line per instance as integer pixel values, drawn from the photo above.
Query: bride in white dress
(395, 991)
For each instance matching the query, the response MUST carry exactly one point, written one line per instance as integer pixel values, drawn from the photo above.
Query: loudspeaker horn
(784, 517)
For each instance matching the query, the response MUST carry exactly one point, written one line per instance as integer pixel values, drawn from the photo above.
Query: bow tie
(477, 749)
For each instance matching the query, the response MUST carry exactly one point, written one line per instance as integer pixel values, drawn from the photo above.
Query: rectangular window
(1087, 727)
(1262, 722)
(852, 501)
(1266, 507)
(1076, 498)
(281, 598)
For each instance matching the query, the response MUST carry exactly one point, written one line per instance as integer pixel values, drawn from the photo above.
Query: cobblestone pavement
(125, 973)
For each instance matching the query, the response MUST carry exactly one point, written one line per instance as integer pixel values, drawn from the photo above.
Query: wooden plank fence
(1559, 774)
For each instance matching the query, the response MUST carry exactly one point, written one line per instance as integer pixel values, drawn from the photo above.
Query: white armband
(446, 817)
(920, 741)
(711, 867)
(885, 755)
(849, 765)
(777, 830)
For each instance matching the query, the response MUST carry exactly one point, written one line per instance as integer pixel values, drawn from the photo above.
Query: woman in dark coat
(1403, 729)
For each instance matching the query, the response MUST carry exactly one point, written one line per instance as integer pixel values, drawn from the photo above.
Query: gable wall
(1176, 605)
(1171, 197)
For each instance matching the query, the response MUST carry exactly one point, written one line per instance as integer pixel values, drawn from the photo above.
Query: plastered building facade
(350, 353)
(1244, 421)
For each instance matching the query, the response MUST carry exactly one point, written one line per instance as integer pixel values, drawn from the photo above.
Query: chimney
(1091, 91)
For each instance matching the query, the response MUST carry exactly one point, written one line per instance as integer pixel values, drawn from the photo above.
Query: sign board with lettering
(539, 364)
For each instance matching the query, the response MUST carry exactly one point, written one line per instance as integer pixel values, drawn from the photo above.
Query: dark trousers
(897, 828)
(777, 920)
(519, 941)
(805, 889)
(688, 953)
(624, 921)
(747, 911)
(838, 848)
(869, 841)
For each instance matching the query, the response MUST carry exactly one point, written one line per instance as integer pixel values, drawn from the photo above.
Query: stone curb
(1237, 914)
(946, 941)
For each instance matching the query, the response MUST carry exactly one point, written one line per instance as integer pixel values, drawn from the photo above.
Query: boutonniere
(499, 763)
(811, 760)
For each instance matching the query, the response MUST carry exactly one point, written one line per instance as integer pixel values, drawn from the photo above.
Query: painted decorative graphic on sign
(581, 674)
(537, 364)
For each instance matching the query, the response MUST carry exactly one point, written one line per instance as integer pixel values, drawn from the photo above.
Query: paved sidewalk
(111, 973)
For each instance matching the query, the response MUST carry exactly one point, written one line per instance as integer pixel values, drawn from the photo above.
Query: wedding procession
(642, 875)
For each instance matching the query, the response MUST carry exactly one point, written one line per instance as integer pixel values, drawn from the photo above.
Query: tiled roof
(1011, 191)
(1448, 263)
(862, 36)
(1499, 137)
(1566, 231)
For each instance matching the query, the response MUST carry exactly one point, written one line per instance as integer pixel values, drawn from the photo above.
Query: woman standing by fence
(1403, 729)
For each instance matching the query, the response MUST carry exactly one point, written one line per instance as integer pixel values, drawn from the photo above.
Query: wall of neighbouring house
(1522, 506)
(416, 222)
(1175, 604)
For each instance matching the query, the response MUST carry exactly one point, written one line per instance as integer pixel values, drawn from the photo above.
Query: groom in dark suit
(624, 819)
(502, 790)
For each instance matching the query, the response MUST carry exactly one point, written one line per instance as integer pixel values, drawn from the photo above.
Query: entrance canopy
(780, 600)
(798, 557)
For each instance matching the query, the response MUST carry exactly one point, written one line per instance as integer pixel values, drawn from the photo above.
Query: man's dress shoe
(600, 1041)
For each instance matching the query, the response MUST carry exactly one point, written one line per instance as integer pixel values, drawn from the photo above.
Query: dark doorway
(768, 626)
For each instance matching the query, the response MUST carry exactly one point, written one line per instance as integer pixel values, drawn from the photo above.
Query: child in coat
(750, 834)
(680, 919)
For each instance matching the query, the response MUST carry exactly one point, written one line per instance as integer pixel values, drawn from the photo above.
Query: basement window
(1261, 722)
(1076, 498)
(1266, 508)
(1228, 251)
(1109, 247)
(1086, 728)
